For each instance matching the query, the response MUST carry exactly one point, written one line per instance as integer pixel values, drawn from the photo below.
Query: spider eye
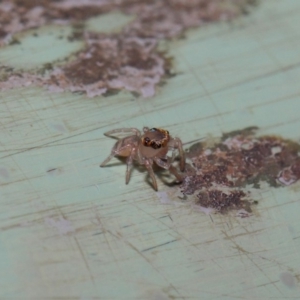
(156, 145)
(146, 141)
(153, 129)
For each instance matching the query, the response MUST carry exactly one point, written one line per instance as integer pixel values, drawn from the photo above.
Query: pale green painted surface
(40, 46)
(80, 233)
(108, 23)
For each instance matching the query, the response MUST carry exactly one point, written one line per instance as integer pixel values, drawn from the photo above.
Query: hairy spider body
(151, 146)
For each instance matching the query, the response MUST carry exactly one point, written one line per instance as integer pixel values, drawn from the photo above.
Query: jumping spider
(151, 146)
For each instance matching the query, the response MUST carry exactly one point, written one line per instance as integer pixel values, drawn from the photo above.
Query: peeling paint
(62, 225)
(4, 173)
(110, 61)
(220, 173)
(288, 279)
(164, 198)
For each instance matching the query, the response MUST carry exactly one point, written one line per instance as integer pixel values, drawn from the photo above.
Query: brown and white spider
(151, 146)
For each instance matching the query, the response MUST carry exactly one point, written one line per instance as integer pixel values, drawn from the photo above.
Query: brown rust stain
(110, 63)
(157, 19)
(130, 60)
(220, 174)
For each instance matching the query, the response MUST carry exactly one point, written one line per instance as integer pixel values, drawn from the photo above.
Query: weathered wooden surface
(70, 230)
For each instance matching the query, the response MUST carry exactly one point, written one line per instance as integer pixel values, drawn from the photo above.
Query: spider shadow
(161, 174)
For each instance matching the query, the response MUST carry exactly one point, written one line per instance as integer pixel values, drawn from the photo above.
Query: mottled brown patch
(240, 159)
(74, 14)
(222, 201)
(110, 63)
(169, 19)
(114, 62)
(105, 56)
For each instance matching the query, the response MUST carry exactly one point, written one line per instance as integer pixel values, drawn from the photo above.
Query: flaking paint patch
(288, 279)
(62, 225)
(127, 60)
(111, 63)
(4, 173)
(221, 173)
(164, 198)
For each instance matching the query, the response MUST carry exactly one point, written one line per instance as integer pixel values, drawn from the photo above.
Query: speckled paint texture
(129, 59)
(72, 230)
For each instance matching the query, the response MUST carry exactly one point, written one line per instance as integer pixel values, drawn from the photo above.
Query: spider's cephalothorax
(151, 146)
(156, 138)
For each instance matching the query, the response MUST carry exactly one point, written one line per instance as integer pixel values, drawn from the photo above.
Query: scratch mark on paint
(169, 242)
(85, 261)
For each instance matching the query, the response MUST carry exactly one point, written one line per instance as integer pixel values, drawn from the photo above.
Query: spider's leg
(113, 152)
(173, 170)
(139, 157)
(121, 130)
(148, 165)
(123, 147)
(167, 165)
(108, 159)
(173, 155)
(163, 164)
(177, 144)
(129, 164)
